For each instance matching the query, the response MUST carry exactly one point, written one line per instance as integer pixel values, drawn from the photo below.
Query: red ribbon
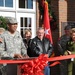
(36, 66)
(48, 59)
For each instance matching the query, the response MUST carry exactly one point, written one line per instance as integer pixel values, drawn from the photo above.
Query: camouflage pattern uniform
(12, 44)
(1, 65)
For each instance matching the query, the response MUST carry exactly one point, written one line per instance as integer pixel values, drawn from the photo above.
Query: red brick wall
(55, 33)
(64, 11)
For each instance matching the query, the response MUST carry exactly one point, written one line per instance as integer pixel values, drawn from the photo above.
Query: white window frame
(8, 8)
(33, 23)
(17, 13)
(26, 10)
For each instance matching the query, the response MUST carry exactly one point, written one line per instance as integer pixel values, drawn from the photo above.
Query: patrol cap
(11, 20)
(67, 27)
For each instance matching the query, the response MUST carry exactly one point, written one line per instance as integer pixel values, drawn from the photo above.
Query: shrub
(3, 23)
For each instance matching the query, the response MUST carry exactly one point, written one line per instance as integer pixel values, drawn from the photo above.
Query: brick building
(64, 11)
(27, 14)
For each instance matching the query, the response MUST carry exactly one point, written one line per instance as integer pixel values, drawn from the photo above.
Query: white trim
(28, 10)
(8, 8)
(33, 23)
(9, 14)
(17, 13)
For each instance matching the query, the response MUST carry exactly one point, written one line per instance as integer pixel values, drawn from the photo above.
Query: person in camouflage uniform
(62, 47)
(12, 45)
(70, 49)
(1, 32)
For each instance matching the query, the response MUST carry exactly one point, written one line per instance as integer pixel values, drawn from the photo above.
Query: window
(26, 4)
(25, 24)
(1, 2)
(6, 3)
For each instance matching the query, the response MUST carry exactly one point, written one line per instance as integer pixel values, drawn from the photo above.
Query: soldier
(62, 47)
(63, 39)
(1, 31)
(12, 44)
(70, 49)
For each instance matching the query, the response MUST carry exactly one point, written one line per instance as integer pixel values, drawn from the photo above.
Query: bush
(3, 23)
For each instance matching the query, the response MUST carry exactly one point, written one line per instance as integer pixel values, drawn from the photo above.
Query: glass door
(26, 21)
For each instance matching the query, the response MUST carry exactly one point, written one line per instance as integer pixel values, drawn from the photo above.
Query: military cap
(67, 27)
(11, 20)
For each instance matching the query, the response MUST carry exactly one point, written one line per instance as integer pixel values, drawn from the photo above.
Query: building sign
(63, 24)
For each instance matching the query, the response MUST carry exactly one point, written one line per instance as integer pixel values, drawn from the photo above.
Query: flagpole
(47, 28)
